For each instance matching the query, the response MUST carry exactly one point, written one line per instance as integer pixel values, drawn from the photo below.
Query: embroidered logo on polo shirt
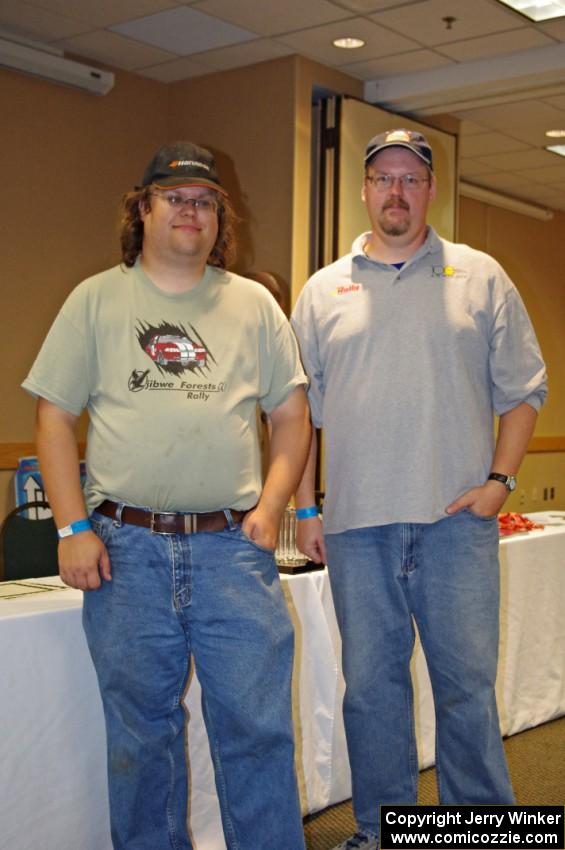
(448, 272)
(346, 290)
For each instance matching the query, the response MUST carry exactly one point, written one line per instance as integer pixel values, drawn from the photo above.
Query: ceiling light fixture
(537, 10)
(558, 149)
(555, 134)
(348, 43)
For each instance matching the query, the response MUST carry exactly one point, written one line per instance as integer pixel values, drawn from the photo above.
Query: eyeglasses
(409, 182)
(206, 206)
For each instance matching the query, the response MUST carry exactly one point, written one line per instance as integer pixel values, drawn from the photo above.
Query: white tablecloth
(52, 750)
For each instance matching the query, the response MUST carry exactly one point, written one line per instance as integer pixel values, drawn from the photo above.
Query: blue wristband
(74, 528)
(306, 513)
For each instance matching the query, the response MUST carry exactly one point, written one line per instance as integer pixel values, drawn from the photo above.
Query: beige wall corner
(245, 116)
(309, 75)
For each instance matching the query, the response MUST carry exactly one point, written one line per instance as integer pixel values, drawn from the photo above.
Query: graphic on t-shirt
(173, 349)
(137, 380)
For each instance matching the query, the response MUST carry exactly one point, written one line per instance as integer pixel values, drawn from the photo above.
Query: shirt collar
(430, 245)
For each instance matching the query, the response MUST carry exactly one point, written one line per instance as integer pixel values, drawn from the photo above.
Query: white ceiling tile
(469, 168)
(271, 17)
(261, 50)
(547, 194)
(171, 72)
(364, 7)
(518, 160)
(403, 63)
(551, 173)
(495, 45)
(183, 31)
(521, 189)
(558, 101)
(507, 182)
(28, 20)
(488, 143)
(526, 120)
(424, 21)
(103, 13)
(317, 42)
(468, 128)
(555, 28)
(113, 49)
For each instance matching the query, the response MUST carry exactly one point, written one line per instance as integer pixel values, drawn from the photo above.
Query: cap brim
(178, 183)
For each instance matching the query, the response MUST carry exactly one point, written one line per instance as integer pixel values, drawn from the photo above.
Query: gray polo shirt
(407, 368)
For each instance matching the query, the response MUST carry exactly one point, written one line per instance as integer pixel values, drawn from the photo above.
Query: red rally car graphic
(175, 349)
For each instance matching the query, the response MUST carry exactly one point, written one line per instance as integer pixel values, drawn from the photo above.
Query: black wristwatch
(509, 481)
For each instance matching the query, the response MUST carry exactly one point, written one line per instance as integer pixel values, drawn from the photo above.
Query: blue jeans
(217, 597)
(445, 577)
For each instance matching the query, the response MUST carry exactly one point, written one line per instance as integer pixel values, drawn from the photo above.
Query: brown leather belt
(169, 523)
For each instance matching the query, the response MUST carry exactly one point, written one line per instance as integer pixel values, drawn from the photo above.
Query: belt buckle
(152, 522)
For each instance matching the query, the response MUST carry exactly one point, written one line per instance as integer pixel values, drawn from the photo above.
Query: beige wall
(68, 156)
(246, 118)
(257, 120)
(308, 75)
(533, 254)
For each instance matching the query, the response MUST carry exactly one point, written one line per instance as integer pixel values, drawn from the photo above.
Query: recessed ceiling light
(555, 134)
(560, 149)
(350, 43)
(537, 10)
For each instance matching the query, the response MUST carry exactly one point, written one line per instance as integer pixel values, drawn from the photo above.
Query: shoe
(361, 840)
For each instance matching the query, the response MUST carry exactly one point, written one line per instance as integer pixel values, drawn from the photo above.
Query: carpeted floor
(536, 760)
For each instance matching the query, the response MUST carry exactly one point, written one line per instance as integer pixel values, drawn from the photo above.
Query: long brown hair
(131, 229)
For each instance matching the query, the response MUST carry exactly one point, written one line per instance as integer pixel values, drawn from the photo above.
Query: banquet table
(52, 746)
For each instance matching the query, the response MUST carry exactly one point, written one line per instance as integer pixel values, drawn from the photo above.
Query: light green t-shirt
(171, 384)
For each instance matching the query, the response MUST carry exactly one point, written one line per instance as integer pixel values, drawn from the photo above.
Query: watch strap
(509, 481)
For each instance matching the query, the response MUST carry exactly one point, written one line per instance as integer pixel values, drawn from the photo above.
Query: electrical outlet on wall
(522, 497)
(535, 494)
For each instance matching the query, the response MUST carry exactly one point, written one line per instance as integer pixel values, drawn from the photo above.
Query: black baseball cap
(410, 139)
(182, 164)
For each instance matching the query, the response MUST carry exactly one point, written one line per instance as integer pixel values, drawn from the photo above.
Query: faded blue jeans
(216, 597)
(445, 577)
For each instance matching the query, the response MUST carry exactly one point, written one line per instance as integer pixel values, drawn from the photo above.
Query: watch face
(509, 481)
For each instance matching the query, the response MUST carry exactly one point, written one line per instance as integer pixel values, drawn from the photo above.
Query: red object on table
(513, 523)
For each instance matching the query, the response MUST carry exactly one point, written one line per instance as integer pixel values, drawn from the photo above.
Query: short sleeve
(517, 368)
(304, 326)
(61, 370)
(282, 371)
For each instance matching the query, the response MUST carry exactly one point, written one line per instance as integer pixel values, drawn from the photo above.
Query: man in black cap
(411, 344)
(173, 540)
